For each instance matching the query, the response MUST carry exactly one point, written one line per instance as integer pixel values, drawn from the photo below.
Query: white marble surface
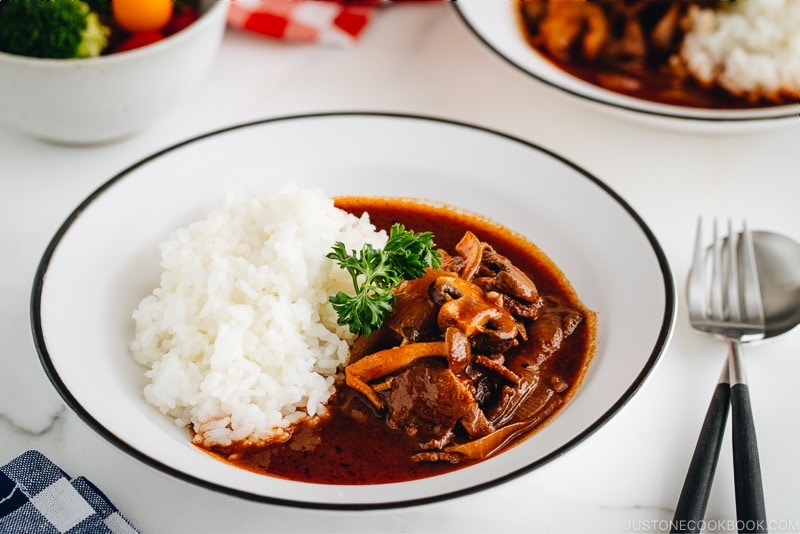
(421, 59)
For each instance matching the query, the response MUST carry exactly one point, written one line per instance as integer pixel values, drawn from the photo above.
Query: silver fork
(724, 299)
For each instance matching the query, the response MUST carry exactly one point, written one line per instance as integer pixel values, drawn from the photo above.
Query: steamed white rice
(751, 48)
(239, 339)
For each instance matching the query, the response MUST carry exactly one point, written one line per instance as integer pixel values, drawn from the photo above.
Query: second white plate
(497, 26)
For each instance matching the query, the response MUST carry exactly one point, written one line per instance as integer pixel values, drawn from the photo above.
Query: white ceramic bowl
(95, 100)
(105, 259)
(496, 25)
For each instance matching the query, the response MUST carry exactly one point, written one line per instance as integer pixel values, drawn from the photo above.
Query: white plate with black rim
(496, 24)
(104, 259)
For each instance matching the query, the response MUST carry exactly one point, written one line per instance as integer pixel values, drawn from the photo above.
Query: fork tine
(734, 300)
(697, 277)
(724, 296)
(753, 305)
(718, 281)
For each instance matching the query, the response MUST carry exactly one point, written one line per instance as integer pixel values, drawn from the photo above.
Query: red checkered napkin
(333, 22)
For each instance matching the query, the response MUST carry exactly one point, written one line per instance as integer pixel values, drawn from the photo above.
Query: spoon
(778, 264)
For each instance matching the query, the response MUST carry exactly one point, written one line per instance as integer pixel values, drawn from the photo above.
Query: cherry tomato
(139, 39)
(181, 18)
(141, 15)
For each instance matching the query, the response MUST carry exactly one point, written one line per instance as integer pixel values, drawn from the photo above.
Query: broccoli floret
(51, 29)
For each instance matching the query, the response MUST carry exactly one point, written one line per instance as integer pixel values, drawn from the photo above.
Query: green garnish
(375, 272)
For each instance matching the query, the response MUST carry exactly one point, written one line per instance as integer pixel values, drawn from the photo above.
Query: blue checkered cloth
(37, 496)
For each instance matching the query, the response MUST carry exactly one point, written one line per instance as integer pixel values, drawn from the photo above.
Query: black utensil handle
(691, 507)
(751, 513)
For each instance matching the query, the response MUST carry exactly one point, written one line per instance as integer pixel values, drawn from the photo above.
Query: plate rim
(659, 347)
(777, 117)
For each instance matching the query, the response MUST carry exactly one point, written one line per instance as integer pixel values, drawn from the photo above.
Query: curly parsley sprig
(375, 272)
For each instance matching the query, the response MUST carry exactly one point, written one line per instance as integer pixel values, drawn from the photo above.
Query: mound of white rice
(239, 339)
(750, 48)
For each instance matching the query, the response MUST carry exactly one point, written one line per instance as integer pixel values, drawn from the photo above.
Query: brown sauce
(339, 449)
(647, 74)
(657, 85)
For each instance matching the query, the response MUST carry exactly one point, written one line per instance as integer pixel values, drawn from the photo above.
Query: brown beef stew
(475, 356)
